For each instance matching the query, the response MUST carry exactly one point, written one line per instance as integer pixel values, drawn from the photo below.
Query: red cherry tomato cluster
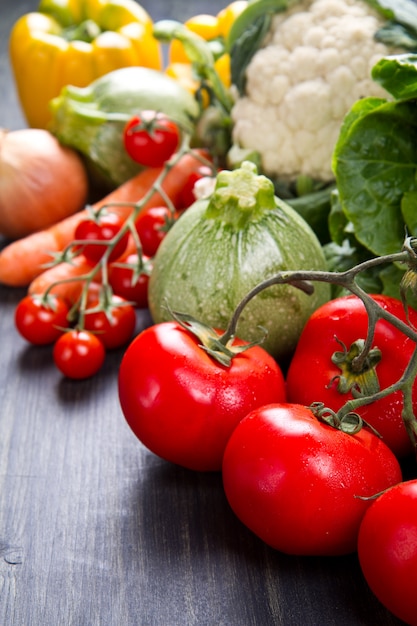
(77, 352)
(104, 241)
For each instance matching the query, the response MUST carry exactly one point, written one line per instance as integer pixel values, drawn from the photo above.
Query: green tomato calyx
(219, 347)
(240, 196)
(362, 381)
(349, 423)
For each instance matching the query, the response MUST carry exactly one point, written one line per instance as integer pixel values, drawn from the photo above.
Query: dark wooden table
(96, 531)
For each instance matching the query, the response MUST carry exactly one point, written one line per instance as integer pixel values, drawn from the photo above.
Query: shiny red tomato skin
(294, 481)
(150, 226)
(104, 230)
(120, 279)
(181, 403)
(311, 369)
(151, 148)
(387, 549)
(78, 354)
(116, 331)
(39, 323)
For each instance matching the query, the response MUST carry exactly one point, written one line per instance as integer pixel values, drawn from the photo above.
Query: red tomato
(295, 481)
(79, 354)
(387, 549)
(102, 231)
(313, 377)
(151, 138)
(126, 284)
(115, 326)
(187, 197)
(181, 403)
(41, 322)
(152, 225)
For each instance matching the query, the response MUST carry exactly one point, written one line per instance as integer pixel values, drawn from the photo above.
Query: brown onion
(41, 181)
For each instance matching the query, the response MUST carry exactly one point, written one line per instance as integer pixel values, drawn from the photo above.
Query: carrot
(22, 260)
(70, 290)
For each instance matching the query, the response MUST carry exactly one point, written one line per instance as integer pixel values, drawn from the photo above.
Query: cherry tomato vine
(102, 240)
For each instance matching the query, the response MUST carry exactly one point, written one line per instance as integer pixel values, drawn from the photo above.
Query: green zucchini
(225, 245)
(91, 119)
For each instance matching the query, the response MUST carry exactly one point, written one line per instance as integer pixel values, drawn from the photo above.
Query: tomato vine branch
(303, 280)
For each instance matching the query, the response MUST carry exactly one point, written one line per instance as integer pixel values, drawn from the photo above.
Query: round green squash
(226, 244)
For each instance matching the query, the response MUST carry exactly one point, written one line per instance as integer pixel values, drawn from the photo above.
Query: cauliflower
(315, 63)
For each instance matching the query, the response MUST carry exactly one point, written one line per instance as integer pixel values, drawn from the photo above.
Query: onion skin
(41, 182)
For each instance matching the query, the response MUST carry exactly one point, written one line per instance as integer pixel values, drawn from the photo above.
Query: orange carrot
(22, 260)
(70, 290)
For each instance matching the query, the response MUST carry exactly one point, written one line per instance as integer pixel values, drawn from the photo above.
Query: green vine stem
(303, 280)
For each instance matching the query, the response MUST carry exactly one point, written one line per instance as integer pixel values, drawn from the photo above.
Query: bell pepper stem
(199, 54)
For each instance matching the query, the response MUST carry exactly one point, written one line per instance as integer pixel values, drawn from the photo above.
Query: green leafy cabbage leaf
(375, 166)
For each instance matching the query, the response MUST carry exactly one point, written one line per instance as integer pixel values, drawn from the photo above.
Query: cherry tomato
(151, 138)
(79, 354)
(114, 326)
(125, 284)
(104, 229)
(296, 482)
(181, 403)
(41, 321)
(187, 196)
(387, 549)
(152, 225)
(314, 377)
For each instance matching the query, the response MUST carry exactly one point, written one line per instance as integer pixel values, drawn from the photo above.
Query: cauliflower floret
(315, 63)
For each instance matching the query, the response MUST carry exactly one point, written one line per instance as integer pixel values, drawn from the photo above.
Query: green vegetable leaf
(244, 50)
(401, 11)
(375, 164)
(409, 211)
(397, 36)
(248, 33)
(254, 10)
(314, 208)
(337, 221)
(401, 30)
(398, 75)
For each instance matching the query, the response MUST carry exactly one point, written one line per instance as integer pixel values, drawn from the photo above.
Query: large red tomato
(181, 403)
(314, 376)
(297, 482)
(387, 549)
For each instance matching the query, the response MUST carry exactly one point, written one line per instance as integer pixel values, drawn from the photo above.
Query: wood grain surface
(97, 531)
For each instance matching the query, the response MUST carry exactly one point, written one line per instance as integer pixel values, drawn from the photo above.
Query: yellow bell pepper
(204, 25)
(214, 29)
(228, 15)
(73, 42)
